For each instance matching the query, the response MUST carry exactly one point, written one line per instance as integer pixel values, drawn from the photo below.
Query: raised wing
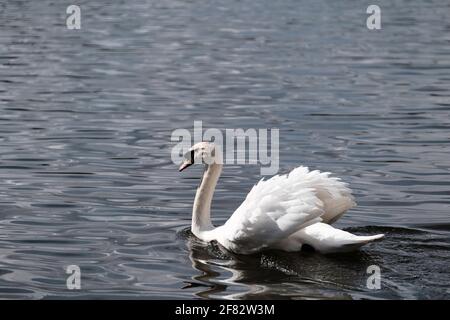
(335, 195)
(273, 210)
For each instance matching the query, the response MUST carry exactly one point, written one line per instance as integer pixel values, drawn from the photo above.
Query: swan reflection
(274, 274)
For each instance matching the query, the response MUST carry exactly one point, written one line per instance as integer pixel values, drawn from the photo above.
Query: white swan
(283, 212)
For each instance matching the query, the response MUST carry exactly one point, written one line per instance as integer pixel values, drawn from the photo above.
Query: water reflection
(86, 119)
(307, 273)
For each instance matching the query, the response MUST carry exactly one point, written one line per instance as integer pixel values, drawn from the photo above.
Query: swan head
(202, 152)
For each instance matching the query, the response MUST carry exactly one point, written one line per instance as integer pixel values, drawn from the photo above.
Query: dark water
(86, 119)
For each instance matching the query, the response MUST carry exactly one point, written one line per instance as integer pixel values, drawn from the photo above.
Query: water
(86, 119)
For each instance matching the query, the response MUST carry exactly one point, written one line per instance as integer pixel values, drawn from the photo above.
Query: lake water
(87, 115)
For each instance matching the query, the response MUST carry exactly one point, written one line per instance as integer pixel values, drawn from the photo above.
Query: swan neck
(201, 216)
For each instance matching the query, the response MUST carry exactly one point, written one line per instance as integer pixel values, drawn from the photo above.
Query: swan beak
(184, 165)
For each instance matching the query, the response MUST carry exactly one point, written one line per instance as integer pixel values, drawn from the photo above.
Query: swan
(284, 212)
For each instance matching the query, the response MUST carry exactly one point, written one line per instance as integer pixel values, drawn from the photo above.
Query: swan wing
(273, 210)
(335, 194)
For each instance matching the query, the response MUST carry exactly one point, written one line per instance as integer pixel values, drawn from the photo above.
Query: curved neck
(201, 218)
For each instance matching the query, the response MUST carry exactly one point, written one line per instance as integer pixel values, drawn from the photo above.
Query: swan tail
(327, 239)
(357, 242)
